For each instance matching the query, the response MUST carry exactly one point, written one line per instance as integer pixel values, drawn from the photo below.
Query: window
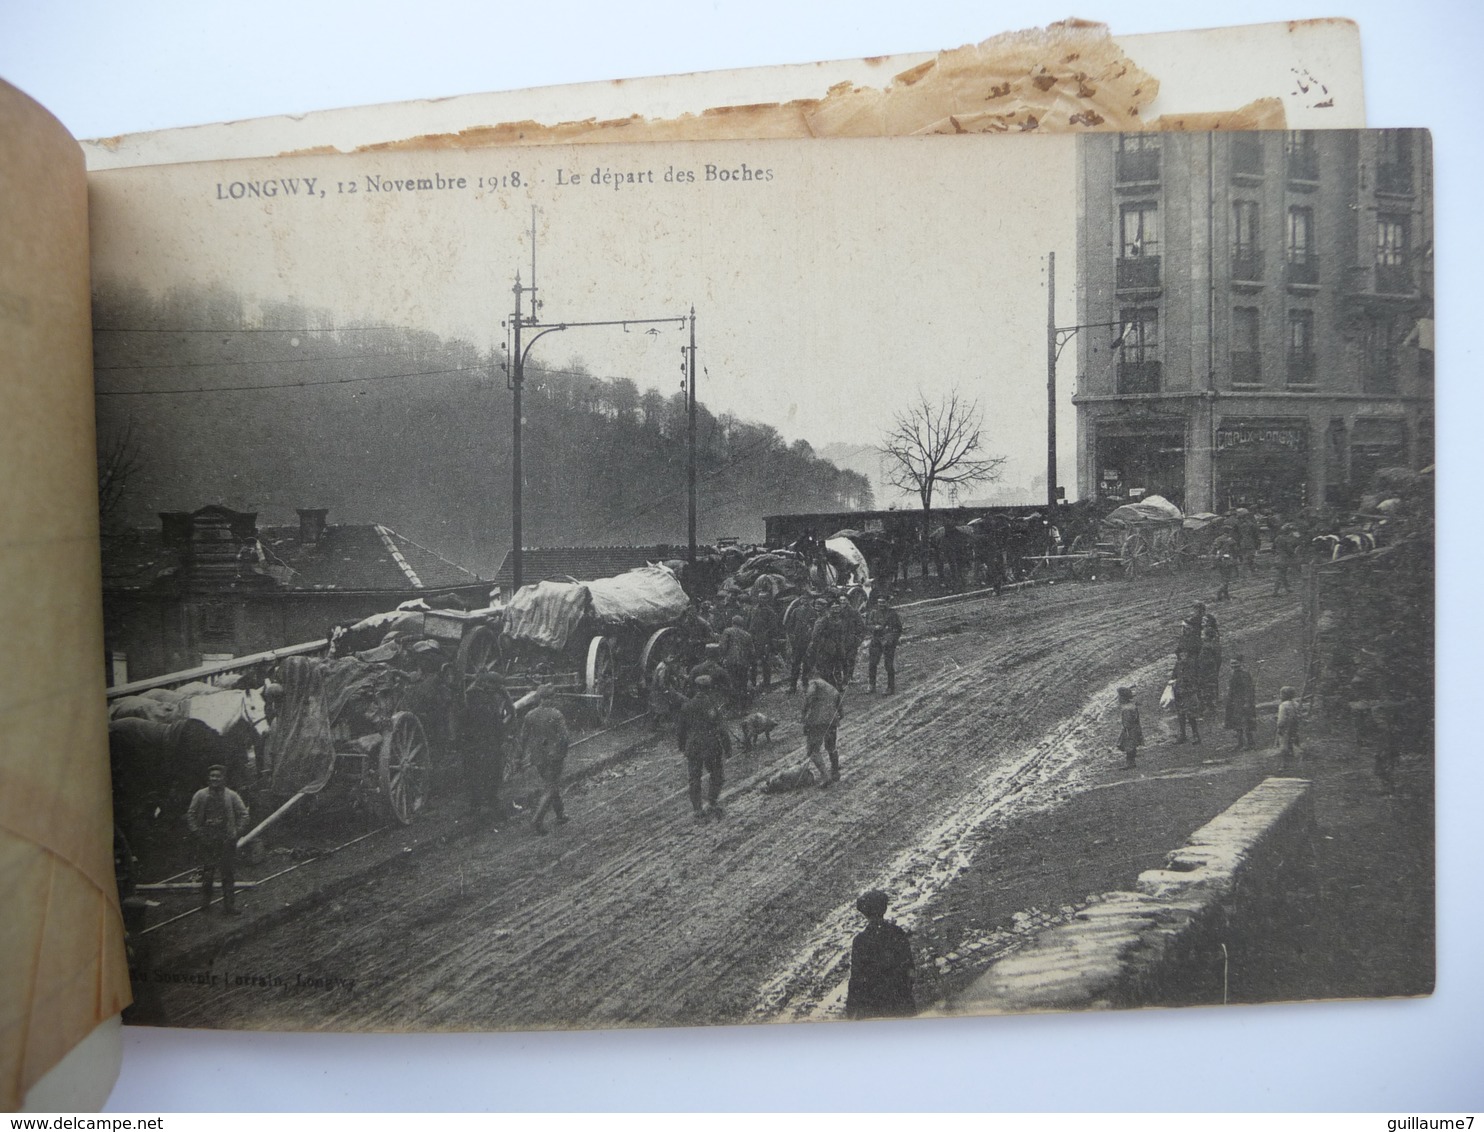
(1303, 265)
(1246, 359)
(1300, 155)
(1379, 369)
(1138, 263)
(218, 621)
(1301, 368)
(1392, 274)
(1246, 257)
(1138, 157)
(1246, 155)
(1138, 364)
(1393, 161)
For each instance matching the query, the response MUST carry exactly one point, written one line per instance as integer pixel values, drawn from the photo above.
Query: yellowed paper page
(61, 935)
(1073, 75)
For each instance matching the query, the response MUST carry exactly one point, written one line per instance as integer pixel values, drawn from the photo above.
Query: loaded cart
(340, 732)
(592, 642)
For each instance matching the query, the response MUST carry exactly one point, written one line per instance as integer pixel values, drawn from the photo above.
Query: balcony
(1138, 377)
(1303, 165)
(1139, 273)
(1246, 264)
(1303, 272)
(1394, 279)
(1395, 178)
(1246, 156)
(1136, 166)
(1246, 367)
(1302, 367)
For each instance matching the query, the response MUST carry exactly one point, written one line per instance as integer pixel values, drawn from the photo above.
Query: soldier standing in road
(764, 627)
(736, 658)
(217, 818)
(1285, 556)
(487, 715)
(798, 624)
(713, 669)
(702, 734)
(880, 965)
(827, 647)
(1225, 551)
(823, 710)
(886, 630)
(547, 740)
(853, 630)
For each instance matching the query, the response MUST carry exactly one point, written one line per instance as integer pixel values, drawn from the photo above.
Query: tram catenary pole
(517, 375)
(690, 463)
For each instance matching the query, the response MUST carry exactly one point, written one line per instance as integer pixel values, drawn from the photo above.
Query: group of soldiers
(1237, 546)
(727, 656)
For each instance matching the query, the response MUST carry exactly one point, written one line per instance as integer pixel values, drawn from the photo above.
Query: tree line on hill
(205, 397)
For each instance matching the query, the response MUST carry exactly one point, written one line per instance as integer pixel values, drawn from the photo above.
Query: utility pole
(1050, 385)
(516, 376)
(690, 466)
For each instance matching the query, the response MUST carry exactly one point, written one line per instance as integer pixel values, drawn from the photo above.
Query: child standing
(1131, 738)
(1288, 721)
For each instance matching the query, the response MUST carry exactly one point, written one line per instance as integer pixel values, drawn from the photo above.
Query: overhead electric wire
(286, 384)
(255, 362)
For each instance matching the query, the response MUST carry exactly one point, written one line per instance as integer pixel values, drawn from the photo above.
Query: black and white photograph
(667, 585)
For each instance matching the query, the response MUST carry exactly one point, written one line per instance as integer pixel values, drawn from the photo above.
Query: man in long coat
(764, 625)
(798, 623)
(885, 624)
(701, 733)
(827, 647)
(546, 741)
(880, 965)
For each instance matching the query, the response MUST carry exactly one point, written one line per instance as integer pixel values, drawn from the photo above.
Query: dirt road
(632, 914)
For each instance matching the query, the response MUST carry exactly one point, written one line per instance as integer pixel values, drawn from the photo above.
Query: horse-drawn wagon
(1142, 536)
(591, 643)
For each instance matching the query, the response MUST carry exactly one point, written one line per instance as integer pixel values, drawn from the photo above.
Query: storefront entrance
(1142, 464)
(1262, 464)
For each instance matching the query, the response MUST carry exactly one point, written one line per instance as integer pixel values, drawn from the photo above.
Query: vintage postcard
(746, 581)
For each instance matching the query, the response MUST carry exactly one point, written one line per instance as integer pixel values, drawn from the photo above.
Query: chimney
(311, 524)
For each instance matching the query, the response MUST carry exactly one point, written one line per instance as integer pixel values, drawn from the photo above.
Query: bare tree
(118, 461)
(938, 444)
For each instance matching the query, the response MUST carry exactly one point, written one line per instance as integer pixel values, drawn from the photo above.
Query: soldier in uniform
(713, 669)
(488, 713)
(798, 624)
(886, 630)
(701, 733)
(764, 626)
(547, 740)
(1225, 551)
(853, 630)
(736, 658)
(1285, 557)
(823, 709)
(827, 647)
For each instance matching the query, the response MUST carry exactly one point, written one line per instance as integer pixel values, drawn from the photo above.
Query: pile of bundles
(781, 573)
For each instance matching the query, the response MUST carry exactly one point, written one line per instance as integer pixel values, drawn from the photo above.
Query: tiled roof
(346, 557)
(554, 563)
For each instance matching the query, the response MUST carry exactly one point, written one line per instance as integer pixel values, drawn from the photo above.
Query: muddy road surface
(634, 914)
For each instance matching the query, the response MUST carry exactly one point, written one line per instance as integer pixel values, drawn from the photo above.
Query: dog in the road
(757, 726)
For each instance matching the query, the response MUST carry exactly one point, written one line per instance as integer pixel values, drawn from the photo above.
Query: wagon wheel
(663, 645)
(1134, 554)
(600, 678)
(1182, 554)
(1082, 569)
(404, 767)
(479, 652)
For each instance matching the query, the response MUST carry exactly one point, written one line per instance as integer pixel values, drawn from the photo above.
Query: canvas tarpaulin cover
(547, 613)
(1153, 508)
(649, 596)
(316, 692)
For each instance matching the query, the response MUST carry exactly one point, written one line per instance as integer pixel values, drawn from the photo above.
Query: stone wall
(1187, 933)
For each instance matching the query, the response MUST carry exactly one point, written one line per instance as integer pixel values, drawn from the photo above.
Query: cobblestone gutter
(1183, 934)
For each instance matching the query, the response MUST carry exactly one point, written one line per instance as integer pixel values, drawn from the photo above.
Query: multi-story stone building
(1256, 313)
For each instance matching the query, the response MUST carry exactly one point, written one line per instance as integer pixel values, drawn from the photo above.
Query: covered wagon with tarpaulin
(592, 642)
(341, 734)
(1145, 535)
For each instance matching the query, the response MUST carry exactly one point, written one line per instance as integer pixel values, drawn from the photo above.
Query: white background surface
(109, 68)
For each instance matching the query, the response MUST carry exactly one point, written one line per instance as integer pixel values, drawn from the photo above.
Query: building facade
(211, 585)
(1255, 313)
